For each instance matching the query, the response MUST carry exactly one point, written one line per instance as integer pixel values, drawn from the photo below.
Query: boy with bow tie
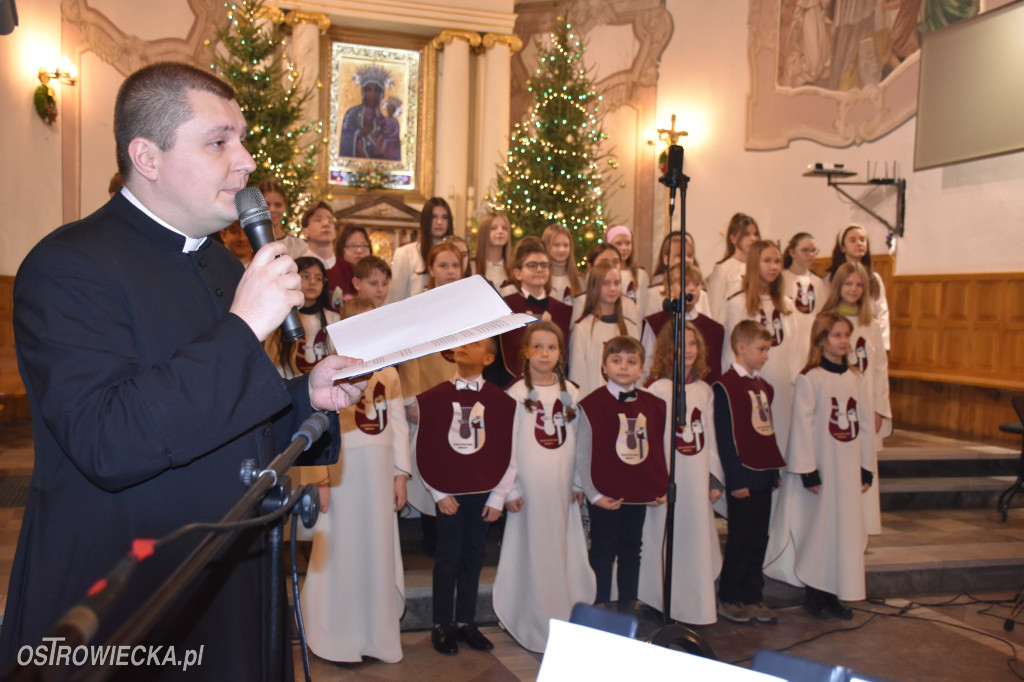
(466, 459)
(621, 463)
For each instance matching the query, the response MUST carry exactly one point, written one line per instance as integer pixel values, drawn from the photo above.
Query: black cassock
(146, 395)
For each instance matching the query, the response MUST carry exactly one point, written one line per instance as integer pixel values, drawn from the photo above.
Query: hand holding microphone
(270, 287)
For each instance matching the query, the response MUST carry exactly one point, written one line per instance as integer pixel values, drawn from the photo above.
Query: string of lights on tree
(552, 172)
(267, 90)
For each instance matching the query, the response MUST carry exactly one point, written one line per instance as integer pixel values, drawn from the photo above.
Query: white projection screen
(970, 100)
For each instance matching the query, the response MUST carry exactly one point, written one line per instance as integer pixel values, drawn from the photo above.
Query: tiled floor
(888, 646)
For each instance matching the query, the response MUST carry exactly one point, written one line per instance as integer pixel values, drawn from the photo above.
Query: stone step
(945, 492)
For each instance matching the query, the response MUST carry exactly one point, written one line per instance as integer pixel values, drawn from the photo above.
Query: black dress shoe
(837, 608)
(443, 639)
(472, 636)
(814, 603)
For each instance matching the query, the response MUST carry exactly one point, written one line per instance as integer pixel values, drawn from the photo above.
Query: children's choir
(786, 402)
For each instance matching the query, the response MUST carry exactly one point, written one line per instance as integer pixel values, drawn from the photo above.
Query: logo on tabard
(466, 434)
(631, 443)
(565, 295)
(844, 427)
(549, 430)
(312, 353)
(860, 354)
(372, 413)
(448, 355)
(760, 413)
(805, 299)
(690, 439)
(775, 326)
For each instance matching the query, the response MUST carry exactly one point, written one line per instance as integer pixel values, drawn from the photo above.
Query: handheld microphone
(254, 216)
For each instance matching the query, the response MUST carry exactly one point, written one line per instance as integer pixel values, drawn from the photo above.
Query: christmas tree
(552, 173)
(267, 90)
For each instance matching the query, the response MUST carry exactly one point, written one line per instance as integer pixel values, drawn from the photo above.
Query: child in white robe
(696, 549)
(827, 471)
(543, 569)
(602, 319)
(354, 593)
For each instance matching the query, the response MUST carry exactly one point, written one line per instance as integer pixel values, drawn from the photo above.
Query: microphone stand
(675, 180)
(269, 488)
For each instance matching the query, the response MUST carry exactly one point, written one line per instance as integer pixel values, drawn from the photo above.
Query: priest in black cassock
(139, 340)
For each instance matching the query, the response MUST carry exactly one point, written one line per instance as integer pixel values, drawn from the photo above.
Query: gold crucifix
(671, 134)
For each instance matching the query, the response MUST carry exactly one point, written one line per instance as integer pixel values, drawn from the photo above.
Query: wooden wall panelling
(970, 412)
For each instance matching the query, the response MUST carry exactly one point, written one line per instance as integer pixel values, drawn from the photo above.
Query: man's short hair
(309, 214)
(366, 266)
(152, 103)
(622, 344)
(748, 331)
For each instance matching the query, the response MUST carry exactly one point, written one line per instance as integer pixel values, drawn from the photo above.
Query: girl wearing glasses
(803, 286)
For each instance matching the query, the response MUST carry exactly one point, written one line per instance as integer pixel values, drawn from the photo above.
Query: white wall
(31, 150)
(964, 218)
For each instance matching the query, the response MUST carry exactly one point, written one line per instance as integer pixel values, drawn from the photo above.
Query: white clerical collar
(527, 294)
(191, 243)
(742, 371)
(692, 313)
(329, 262)
(461, 382)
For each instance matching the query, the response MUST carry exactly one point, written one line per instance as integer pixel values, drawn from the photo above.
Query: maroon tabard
(556, 311)
(713, 334)
(464, 440)
(627, 453)
(750, 401)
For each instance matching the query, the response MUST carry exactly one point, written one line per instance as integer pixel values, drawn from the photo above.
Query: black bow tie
(627, 395)
(537, 302)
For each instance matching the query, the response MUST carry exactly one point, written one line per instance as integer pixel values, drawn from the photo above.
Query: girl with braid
(543, 569)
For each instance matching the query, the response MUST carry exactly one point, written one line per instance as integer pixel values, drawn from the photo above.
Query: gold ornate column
(451, 170)
(493, 116)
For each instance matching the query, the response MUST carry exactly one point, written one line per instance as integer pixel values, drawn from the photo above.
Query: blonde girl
(566, 281)
(543, 569)
(600, 320)
(761, 299)
(727, 275)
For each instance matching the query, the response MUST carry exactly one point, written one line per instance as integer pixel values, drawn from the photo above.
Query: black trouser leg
(742, 579)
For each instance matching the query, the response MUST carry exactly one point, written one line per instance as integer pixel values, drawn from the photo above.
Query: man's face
(196, 180)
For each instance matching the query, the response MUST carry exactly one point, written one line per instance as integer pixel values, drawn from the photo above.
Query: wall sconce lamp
(45, 101)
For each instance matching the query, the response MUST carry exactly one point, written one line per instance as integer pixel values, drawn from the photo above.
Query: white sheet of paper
(576, 652)
(458, 313)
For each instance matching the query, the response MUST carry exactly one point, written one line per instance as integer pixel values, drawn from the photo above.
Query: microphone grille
(251, 206)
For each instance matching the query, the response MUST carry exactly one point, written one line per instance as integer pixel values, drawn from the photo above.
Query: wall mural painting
(839, 72)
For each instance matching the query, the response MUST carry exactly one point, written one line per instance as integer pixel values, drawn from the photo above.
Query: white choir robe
(354, 593)
(495, 274)
(544, 568)
(726, 279)
(879, 306)
(783, 363)
(808, 295)
(820, 539)
(867, 353)
(696, 550)
(561, 288)
(406, 266)
(639, 293)
(586, 345)
(420, 375)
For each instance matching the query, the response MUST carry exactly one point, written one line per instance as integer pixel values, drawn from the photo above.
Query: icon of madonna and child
(370, 129)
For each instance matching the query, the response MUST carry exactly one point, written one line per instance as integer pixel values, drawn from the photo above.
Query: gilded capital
(271, 13)
(296, 16)
(449, 35)
(511, 40)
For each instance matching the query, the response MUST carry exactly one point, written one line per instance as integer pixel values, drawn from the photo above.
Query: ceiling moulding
(411, 16)
(126, 52)
(652, 26)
